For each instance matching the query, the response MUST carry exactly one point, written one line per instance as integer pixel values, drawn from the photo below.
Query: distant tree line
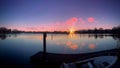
(4, 30)
(114, 30)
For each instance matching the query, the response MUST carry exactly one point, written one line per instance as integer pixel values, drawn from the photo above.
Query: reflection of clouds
(76, 43)
(68, 43)
(71, 45)
(82, 44)
(92, 46)
(74, 46)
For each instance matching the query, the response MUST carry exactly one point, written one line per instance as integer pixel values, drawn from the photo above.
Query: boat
(95, 62)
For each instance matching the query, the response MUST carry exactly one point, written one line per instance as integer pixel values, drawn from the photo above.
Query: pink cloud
(31, 28)
(72, 21)
(91, 19)
(81, 20)
(59, 26)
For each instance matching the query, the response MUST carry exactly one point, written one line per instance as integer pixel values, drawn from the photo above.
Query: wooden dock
(52, 59)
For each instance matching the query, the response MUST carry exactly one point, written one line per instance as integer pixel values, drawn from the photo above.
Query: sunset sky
(59, 15)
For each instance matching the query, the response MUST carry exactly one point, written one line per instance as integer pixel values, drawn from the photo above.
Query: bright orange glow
(92, 46)
(71, 33)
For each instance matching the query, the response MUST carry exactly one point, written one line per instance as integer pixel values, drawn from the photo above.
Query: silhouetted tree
(101, 30)
(95, 30)
(116, 30)
(16, 31)
(4, 30)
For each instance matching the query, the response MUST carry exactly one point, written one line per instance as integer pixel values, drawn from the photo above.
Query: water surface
(18, 48)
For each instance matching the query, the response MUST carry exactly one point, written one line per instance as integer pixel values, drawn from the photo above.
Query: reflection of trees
(118, 43)
(96, 35)
(117, 38)
(116, 30)
(3, 37)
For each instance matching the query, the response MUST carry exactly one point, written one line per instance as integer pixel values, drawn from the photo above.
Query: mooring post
(44, 42)
(44, 49)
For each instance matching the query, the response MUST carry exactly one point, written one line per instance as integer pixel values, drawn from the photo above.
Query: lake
(16, 49)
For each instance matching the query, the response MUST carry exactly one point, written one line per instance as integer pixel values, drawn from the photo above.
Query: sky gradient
(59, 15)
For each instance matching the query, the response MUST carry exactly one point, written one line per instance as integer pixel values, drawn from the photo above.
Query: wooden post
(44, 42)
(44, 49)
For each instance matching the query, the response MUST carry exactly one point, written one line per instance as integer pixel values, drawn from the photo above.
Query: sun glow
(72, 33)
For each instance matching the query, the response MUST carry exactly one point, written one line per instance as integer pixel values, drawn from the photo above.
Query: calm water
(18, 48)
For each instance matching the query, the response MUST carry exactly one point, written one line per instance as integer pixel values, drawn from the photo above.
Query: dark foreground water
(16, 49)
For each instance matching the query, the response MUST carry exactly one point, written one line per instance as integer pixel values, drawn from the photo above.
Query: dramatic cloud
(91, 19)
(72, 21)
